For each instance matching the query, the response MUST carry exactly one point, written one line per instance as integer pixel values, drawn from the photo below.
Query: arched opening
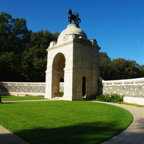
(58, 75)
(84, 86)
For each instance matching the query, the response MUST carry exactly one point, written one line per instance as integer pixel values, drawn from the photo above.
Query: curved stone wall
(129, 87)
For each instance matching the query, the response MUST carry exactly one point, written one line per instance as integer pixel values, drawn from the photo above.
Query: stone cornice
(73, 41)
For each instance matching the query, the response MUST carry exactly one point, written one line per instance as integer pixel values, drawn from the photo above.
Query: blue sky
(117, 25)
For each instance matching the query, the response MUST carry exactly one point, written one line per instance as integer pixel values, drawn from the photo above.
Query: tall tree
(126, 68)
(119, 68)
(34, 58)
(14, 37)
(107, 68)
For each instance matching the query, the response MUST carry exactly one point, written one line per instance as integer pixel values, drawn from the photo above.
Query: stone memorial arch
(75, 59)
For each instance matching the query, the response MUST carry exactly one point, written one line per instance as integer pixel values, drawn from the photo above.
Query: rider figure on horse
(73, 17)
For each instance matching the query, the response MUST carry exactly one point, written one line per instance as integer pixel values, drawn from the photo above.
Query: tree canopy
(34, 58)
(119, 68)
(23, 55)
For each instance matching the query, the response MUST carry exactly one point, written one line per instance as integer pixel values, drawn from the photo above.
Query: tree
(106, 66)
(14, 35)
(119, 68)
(34, 58)
(14, 38)
(22, 53)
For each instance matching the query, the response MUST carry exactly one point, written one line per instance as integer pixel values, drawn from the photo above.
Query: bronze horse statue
(73, 17)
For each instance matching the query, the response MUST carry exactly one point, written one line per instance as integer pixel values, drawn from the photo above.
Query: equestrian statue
(73, 17)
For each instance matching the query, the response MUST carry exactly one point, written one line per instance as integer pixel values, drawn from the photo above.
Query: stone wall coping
(25, 82)
(141, 80)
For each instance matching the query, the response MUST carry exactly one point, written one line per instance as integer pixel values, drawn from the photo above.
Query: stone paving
(7, 137)
(134, 134)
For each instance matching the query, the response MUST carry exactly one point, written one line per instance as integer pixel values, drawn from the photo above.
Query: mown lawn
(64, 122)
(8, 98)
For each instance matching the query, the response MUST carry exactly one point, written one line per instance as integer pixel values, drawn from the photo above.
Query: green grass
(64, 122)
(7, 98)
(132, 104)
(114, 98)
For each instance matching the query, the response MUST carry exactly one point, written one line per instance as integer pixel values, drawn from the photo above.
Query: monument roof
(73, 29)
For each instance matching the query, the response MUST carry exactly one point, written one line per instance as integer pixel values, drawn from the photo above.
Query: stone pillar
(77, 84)
(94, 83)
(48, 88)
(68, 84)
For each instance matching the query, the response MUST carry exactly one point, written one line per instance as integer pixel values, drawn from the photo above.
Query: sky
(117, 25)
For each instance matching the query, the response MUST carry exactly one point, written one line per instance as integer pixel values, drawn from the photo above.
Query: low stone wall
(24, 88)
(135, 100)
(130, 87)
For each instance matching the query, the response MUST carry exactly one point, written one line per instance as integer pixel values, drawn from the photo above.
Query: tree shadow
(5, 102)
(4, 88)
(84, 133)
(11, 139)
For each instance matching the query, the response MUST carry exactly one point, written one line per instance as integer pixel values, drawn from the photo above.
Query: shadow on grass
(3, 103)
(85, 133)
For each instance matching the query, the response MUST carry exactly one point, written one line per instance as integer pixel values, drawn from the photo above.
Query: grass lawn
(7, 98)
(132, 104)
(64, 122)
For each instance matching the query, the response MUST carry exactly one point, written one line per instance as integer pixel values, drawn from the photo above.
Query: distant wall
(129, 87)
(24, 88)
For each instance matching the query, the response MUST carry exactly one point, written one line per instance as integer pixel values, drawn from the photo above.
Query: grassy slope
(64, 122)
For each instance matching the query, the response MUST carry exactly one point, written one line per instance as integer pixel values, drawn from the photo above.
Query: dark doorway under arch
(83, 86)
(61, 79)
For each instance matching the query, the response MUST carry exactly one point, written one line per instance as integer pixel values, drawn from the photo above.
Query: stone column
(48, 88)
(77, 84)
(68, 84)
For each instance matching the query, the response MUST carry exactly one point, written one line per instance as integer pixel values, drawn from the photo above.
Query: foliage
(106, 66)
(14, 36)
(64, 122)
(110, 98)
(61, 94)
(119, 68)
(34, 58)
(22, 53)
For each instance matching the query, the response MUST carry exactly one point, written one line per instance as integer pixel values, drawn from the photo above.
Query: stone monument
(75, 59)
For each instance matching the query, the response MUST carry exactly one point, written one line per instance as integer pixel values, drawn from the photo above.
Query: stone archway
(72, 57)
(57, 73)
